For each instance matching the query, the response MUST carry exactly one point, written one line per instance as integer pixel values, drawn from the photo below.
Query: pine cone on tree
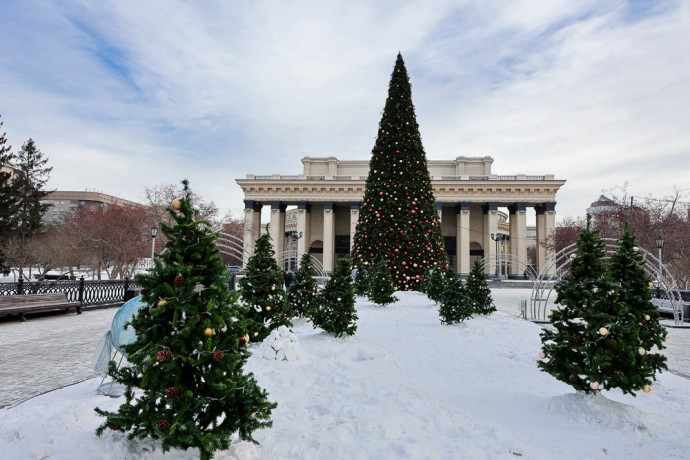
(172, 392)
(164, 356)
(179, 280)
(218, 356)
(163, 425)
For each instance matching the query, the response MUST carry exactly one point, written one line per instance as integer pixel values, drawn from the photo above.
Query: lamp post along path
(660, 246)
(154, 233)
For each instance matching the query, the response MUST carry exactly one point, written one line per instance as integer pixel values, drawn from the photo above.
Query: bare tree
(648, 218)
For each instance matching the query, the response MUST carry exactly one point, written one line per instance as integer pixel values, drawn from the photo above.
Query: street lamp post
(660, 246)
(154, 232)
(496, 237)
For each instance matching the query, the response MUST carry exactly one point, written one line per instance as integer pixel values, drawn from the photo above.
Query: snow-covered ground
(404, 387)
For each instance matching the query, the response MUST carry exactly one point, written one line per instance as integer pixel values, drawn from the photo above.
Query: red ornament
(164, 356)
(113, 427)
(179, 280)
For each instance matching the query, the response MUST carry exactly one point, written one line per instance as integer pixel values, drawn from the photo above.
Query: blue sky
(122, 94)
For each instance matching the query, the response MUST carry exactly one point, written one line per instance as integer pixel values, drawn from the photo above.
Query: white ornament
(594, 385)
(641, 351)
(542, 355)
(636, 249)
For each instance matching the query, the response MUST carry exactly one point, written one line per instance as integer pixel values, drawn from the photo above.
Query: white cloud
(124, 95)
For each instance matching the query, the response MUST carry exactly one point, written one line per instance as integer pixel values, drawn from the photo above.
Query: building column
(354, 218)
(302, 227)
(277, 228)
(546, 223)
(252, 228)
(328, 236)
(490, 226)
(462, 238)
(518, 238)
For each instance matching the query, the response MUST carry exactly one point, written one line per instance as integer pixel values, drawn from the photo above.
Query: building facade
(326, 200)
(62, 202)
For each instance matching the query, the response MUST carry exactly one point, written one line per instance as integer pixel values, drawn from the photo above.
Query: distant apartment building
(65, 202)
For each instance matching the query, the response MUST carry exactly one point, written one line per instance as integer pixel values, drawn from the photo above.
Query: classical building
(328, 193)
(65, 201)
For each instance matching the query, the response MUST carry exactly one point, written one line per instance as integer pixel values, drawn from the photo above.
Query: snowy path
(46, 353)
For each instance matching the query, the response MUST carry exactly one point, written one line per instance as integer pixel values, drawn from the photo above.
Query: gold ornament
(161, 302)
(647, 317)
(246, 337)
(176, 204)
(268, 308)
(603, 332)
(256, 334)
(666, 338)
(208, 332)
(646, 388)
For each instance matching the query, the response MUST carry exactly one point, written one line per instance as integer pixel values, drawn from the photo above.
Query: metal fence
(87, 292)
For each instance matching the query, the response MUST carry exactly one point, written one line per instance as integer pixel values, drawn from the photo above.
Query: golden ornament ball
(268, 308)
(208, 332)
(603, 332)
(646, 388)
(176, 204)
(256, 334)
(246, 337)
(647, 317)
(161, 302)
(651, 284)
(666, 338)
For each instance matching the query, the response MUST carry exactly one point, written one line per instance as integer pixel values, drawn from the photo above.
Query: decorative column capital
(462, 208)
(252, 205)
(490, 207)
(519, 206)
(549, 206)
(329, 206)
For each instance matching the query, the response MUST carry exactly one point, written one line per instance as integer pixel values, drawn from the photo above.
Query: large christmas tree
(398, 219)
(189, 352)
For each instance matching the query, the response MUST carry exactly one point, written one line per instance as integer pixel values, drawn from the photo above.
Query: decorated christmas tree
(187, 360)
(262, 291)
(455, 306)
(635, 333)
(398, 219)
(337, 314)
(303, 293)
(582, 348)
(478, 292)
(381, 287)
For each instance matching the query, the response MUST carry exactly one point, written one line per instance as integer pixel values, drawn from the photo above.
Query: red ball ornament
(163, 356)
(172, 392)
(179, 280)
(218, 356)
(163, 425)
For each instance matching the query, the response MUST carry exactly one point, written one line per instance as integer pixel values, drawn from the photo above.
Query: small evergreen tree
(381, 287)
(362, 280)
(435, 283)
(337, 314)
(189, 351)
(581, 349)
(262, 291)
(454, 307)
(478, 292)
(635, 328)
(303, 293)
